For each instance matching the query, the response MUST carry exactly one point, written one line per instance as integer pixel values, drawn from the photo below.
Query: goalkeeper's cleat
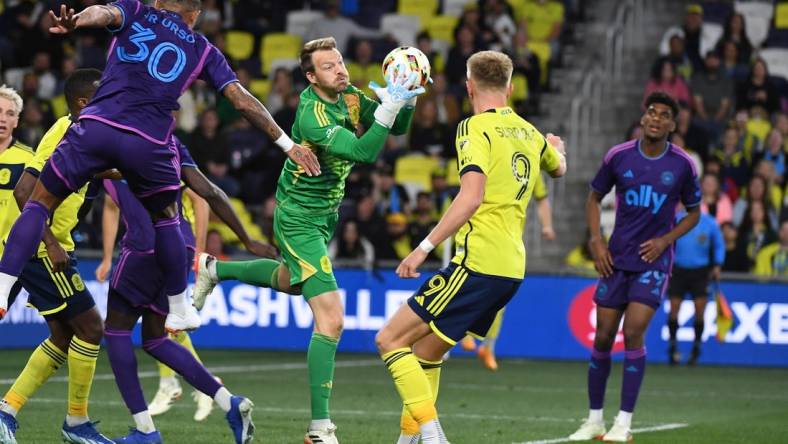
(239, 417)
(487, 357)
(468, 343)
(206, 280)
(589, 430)
(137, 437)
(164, 398)
(324, 436)
(8, 426)
(84, 433)
(620, 432)
(409, 439)
(176, 323)
(204, 405)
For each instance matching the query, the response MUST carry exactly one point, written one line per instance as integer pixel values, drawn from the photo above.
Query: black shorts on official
(55, 295)
(457, 301)
(692, 281)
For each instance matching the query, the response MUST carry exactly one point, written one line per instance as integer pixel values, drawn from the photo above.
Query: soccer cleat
(325, 436)
(409, 439)
(588, 430)
(190, 321)
(164, 398)
(205, 282)
(84, 433)
(487, 357)
(620, 432)
(204, 405)
(239, 417)
(137, 437)
(8, 426)
(693, 360)
(468, 344)
(673, 355)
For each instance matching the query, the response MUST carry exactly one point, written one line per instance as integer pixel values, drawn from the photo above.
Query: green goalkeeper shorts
(303, 240)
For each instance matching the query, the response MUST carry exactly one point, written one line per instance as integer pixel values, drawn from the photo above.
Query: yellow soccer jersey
(12, 164)
(65, 217)
(511, 153)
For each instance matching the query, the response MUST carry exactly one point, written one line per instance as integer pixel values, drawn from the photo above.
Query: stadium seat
(402, 27)
(424, 9)
(228, 236)
(276, 46)
(441, 27)
(777, 61)
(413, 171)
(288, 64)
(757, 17)
(239, 44)
(543, 51)
(452, 174)
(260, 89)
(519, 88)
(781, 15)
(59, 106)
(298, 22)
(710, 35)
(455, 7)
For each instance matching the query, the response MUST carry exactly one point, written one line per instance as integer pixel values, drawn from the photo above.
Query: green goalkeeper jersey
(329, 130)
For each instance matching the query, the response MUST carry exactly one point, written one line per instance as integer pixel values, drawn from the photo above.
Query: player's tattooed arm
(96, 16)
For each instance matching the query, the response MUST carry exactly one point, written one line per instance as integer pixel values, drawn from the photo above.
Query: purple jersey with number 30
(153, 59)
(648, 189)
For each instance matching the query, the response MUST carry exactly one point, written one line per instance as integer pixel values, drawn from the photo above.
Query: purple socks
(634, 370)
(598, 372)
(171, 255)
(183, 362)
(124, 365)
(24, 238)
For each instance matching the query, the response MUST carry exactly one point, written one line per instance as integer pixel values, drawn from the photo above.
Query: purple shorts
(91, 147)
(137, 283)
(623, 287)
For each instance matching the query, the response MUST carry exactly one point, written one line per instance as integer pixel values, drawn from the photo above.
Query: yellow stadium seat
(452, 174)
(278, 46)
(260, 89)
(239, 44)
(415, 170)
(424, 9)
(781, 15)
(519, 88)
(543, 51)
(441, 27)
(228, 236)
(59, 106)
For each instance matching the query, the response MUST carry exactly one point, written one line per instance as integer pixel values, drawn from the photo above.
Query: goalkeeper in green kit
(307, 207)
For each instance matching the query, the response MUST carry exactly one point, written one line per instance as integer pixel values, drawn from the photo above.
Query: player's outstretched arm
(260, 118)
(603, 260)
(460, 211)
(220, 204)
(96, 16)
(110, 217)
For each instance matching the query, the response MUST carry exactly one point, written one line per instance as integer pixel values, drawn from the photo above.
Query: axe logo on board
(582, 320)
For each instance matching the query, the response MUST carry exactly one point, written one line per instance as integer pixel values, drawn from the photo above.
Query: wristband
(285, 142)
(426, 246)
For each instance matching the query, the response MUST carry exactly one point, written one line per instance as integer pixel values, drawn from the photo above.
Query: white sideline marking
(227, 369)
(657, 428)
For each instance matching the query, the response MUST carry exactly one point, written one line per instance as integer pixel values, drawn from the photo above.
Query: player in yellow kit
(500, 156)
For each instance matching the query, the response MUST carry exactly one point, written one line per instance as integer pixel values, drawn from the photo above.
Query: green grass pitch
(524, 401)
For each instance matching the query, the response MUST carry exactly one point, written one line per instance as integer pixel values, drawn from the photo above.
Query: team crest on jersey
(667, 178)
(76, 280)
(5, 176)
(353, 108)
(325, 264)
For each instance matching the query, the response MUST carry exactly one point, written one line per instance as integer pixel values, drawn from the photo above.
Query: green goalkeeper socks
(320, 361)
(259, 272)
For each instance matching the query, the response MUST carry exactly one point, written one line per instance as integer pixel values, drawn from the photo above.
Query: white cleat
(620, 432)
(188, 322)
(205, 282)
(204, 405)
(325, 436)
(164, 399)
(588, 430)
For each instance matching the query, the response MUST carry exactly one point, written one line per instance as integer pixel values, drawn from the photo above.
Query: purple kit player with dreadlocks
(153, 58)
(651, 176)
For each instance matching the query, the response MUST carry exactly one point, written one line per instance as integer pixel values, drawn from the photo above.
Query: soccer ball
(412, 60)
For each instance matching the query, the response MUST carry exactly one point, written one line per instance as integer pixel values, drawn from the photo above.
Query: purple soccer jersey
(153, 59)
(647, 193)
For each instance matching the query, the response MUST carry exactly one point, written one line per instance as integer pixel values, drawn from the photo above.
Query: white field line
(657, 428)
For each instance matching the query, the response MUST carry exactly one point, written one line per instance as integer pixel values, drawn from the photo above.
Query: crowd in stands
(390, 205)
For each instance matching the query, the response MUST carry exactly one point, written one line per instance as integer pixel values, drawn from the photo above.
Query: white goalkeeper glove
(396, 94)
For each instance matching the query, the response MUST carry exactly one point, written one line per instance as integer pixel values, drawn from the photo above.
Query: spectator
(390, 196)
(227, 112)
(32, 126)
(285, 117)
(580, 257)
(370, 223)
(712, 93)
(397, 244)
(773, 152)
(731, 66)
(472, 19)
(774, 192)
(210, 19)
(247, 148)
(691, 32)
(424, 43)
(526, 62)
(734, 261)
(756, 192)
(207, 143)
(732, 159)
(695, 138)
(91, 52)
(664, 78)
(713, 201)
(677, 55)
(447, 103)
(423, 219)
(215, 246)
(735, 31)
(754, 233)
(772, 260)
(351, 247)
(427, 135)
(678, 140)
(544, 19)
(459, 55)
(442, 194)
(341, 28)
(363, 69)
(758, 89)
(497, 17)
(281, 86)
(47, 82)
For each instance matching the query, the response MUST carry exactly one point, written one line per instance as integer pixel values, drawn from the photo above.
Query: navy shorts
(55, 295)
(623, 287)
(692, 281)
(90, 147)
(457, 301)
